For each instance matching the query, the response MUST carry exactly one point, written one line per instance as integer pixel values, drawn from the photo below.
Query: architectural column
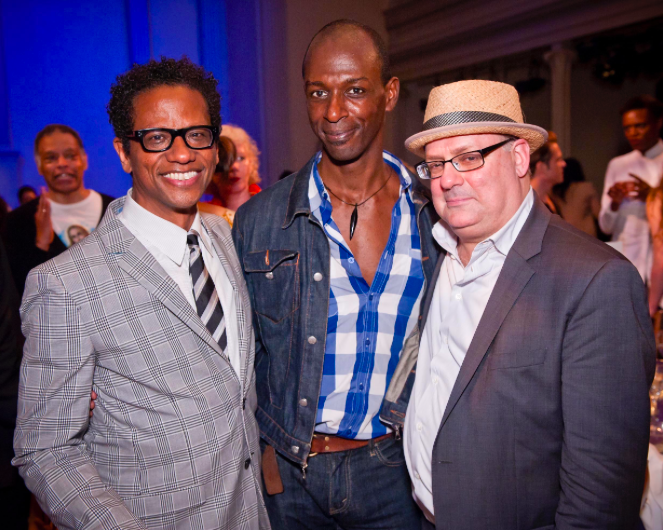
(560, 60)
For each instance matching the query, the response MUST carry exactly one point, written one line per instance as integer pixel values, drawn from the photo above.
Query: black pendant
(353, 222)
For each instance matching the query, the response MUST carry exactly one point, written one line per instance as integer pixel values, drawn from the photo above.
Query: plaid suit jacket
(173, 443)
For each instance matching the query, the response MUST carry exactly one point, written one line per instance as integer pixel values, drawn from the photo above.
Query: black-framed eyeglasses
(464, 162)
(158, 140)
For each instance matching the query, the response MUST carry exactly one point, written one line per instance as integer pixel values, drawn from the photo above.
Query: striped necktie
(208, 304)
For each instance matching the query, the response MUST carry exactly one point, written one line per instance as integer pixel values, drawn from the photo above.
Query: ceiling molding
(428, 37)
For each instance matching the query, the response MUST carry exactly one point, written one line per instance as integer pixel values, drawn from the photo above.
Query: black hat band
(463, 116)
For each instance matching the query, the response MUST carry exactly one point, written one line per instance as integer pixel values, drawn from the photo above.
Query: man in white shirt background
(629, 178)
(530, 407)
(64, 213)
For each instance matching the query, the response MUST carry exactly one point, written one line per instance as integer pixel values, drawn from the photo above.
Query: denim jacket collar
(298, 201)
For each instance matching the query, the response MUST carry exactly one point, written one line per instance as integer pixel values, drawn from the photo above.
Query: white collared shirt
(458, 302)
(629, 223)
(167, 243)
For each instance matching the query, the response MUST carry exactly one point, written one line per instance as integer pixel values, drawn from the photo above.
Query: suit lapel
(139, 263)
(226, 254)
(134, 259)
(513, 278)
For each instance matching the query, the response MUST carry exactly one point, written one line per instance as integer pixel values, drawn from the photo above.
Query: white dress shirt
(167, 243)
(629, 223)
(459, 300)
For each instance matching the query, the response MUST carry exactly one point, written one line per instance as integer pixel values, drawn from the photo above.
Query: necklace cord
(355, 214)
(365, 200)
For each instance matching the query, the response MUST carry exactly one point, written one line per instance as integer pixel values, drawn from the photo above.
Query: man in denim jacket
(336, 258)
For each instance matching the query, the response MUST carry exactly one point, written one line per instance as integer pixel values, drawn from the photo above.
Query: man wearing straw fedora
(530, 407)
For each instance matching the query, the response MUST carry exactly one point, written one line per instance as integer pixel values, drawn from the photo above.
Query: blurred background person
(241, 182)
(26, 194)
(38, 230)
(4, 212)
(14, 496)
(547, 167)
(577, 200)
(629, 179)
(227, 155)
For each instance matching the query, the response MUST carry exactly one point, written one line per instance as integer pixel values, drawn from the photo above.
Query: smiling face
(62, 163)
(345, 97)
(476, 204)
(169, 184)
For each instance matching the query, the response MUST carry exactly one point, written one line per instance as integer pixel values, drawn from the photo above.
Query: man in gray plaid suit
(152, 313)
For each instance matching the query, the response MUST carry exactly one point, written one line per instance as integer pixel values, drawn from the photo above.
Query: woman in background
(241, 182)
(227, 157)
(576, 199)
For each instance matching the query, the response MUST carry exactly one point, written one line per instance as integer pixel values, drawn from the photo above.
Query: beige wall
(303, 19)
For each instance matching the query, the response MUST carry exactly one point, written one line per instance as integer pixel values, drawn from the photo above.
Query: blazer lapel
(223, 252)
(225, 249)
(513, 278)
(138, 262)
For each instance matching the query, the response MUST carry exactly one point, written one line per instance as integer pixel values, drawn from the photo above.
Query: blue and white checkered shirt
(366, 326)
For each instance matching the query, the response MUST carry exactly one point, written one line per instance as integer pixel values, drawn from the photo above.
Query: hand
(43, 222)
(617, 193)
(93, 396)
(641, 189)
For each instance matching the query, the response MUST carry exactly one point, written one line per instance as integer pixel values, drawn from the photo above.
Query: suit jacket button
(303, 402)
(295, 449)
(317, 277)
(312, 340)
(269, 275)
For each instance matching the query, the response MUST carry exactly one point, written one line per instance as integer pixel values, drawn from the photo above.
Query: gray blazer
(547, 425)
(173, 443)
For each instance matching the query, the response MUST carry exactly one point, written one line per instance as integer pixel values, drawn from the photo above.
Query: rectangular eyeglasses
(158, 140)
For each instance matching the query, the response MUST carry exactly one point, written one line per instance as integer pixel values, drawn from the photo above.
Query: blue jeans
(365, 488)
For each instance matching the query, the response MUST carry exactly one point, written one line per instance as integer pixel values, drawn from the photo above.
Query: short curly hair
(143, 77)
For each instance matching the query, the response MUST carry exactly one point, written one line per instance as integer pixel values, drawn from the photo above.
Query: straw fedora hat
(474, 107)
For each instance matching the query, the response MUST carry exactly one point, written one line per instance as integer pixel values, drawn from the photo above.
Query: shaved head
(350, 29)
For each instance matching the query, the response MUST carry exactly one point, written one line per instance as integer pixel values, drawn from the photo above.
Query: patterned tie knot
(192, 240)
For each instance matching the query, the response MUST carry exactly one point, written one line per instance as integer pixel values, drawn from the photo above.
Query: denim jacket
(284, 252)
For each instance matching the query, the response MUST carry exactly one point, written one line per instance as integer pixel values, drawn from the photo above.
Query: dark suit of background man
(44, 227)
(152, 313)
(530, 407)
(335, 258)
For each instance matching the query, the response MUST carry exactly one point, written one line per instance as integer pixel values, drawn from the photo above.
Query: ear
(124, 158)
(392, 90)
(520, 153)
(84, 159)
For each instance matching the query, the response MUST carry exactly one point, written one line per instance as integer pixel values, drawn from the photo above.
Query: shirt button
(312, 340)
(435, 380)
(416, 475)
(419, 426)
(317, 277)
(247, 463)
(294, 449)
(269, 275)
(351, 260)
(303, 402)
(457, 296)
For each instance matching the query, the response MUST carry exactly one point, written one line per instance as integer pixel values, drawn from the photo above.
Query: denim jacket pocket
(274, 276)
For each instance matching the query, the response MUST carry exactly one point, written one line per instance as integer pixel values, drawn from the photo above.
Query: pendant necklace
(354, 216)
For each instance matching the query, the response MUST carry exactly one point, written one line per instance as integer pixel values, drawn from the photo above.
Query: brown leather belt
(328, 443)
